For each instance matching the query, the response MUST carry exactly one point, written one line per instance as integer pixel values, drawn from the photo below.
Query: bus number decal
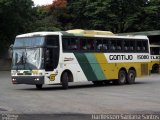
(142, 56)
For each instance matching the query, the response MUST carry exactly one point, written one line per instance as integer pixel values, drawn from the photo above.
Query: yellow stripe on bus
(108, 68)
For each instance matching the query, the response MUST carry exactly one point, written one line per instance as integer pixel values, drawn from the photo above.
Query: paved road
(81, 98)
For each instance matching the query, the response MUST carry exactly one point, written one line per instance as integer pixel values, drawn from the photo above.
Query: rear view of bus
(33, 54)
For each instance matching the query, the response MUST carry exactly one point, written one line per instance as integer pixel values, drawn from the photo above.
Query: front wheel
(64, 80)
(39, 86)
(131, 77)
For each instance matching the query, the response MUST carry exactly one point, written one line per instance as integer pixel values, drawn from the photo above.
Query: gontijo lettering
(121, 57)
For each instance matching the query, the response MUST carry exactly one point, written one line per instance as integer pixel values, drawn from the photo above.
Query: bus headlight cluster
(36, 79)
(14, 72)
(13, 79)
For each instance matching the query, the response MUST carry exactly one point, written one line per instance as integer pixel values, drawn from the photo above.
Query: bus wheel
(39, 86)
(131, 76)
(121, 77)
(155, 68)
(64, 80)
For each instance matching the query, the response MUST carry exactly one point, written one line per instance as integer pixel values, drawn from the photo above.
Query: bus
(78, 56)
(155, 58)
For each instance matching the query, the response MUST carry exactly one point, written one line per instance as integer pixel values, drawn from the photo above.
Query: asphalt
(81, 100)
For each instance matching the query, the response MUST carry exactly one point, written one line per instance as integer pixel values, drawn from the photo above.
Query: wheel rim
(131, 76)
(122, 77)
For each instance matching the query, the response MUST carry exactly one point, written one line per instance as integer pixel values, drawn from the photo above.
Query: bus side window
(140, 47)
(99, 44)
(126, 45)
(119, 44)
(145, 46)
(65, 43)
(112, 45)
(131, 45)
(70, 43)
(86, 44)
(73, 44)
(105, 44)
(119, 48)
(152, 51)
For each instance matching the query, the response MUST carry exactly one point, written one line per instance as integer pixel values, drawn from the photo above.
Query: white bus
(78, 55)
(155, 58)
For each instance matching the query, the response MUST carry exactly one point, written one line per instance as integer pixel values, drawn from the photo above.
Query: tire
(64, 80)
(122, 77)
(39, 86)
(155, 68)
(131, 77)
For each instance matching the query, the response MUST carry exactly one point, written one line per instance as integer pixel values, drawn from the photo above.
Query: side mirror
(10, 51)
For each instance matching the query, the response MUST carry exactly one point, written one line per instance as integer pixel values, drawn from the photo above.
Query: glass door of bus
(51, 58)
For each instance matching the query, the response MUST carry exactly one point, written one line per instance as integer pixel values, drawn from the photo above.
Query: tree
(60, 12)
(115, 15)
(151, 15)
(44, 21)
(51, 17)
(16, 16)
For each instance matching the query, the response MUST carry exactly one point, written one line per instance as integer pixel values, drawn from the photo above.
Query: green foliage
(115, 15)
(15, 18)
(152, 15)
(19, 16)
(44, 21)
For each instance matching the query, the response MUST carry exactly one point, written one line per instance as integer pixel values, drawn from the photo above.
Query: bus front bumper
(32, 80)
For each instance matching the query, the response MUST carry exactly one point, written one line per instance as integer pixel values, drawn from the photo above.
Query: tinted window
(119, 45)
(113, 45)
(129, 45)
(142, 46)
(70, 43)
(52, 41)
(99, 44)
(87, 44)
(155, 51)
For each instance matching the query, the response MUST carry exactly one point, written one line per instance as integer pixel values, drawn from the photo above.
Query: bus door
(51, 58)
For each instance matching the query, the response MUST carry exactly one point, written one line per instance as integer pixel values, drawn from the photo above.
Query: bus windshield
(27, 59)
(27, 53)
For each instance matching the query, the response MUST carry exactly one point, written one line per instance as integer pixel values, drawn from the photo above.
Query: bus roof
(37, 34)
(89, 32)
(154, 45)
(80, 32)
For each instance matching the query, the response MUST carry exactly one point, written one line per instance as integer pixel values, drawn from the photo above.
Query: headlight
(13, 73)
